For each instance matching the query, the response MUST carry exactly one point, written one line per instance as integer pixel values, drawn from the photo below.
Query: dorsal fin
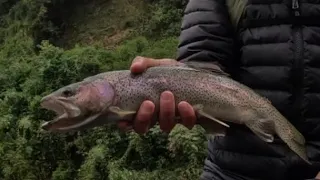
(267, 100)
(200, 66)
(208, 67)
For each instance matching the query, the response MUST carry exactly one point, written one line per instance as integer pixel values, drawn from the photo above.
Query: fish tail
(293, 138)
(299, 149)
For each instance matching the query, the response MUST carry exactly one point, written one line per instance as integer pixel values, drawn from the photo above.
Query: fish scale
(212, 94)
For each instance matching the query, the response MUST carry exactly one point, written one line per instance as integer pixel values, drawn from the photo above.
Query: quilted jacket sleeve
(206, 33)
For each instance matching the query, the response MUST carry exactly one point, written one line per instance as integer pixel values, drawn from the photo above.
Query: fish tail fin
(293, 138)
(298, 148)
(265, 128)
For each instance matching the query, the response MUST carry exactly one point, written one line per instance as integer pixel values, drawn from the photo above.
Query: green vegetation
(46, 44)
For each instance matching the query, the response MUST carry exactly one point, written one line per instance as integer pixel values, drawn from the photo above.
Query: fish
(112, 96)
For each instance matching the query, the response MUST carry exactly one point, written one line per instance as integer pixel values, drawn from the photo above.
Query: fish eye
(67, 93)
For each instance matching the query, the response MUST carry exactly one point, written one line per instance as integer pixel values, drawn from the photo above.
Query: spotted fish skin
(215, 95)
(222, 97)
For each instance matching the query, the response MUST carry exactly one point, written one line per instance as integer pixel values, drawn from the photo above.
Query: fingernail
(139, 61)
(166, 96)
(148, 107)
(183, 106)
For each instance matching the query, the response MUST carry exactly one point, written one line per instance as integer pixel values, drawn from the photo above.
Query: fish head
(79, 105)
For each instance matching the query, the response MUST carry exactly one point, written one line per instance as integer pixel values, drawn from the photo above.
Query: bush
(28, 153)
(27, 74)
(164, 19)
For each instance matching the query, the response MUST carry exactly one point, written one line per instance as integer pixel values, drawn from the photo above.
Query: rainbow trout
(112, 96)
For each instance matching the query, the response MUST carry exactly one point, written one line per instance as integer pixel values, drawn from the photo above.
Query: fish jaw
(79, 124)
(64, 124)
(67, 113)
(79, 106)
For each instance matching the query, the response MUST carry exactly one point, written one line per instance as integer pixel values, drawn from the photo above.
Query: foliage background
(46, 44)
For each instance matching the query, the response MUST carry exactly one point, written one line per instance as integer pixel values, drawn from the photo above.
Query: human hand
(142, 122)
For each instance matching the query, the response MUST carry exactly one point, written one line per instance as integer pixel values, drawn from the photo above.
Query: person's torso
(279, 57)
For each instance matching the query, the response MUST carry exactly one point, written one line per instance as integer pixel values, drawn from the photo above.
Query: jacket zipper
(298, 60)
(295, 7)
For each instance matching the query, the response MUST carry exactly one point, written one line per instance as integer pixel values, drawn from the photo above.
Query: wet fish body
(111, 96)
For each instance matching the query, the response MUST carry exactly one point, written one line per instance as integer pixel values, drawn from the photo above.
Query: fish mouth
(67, 113)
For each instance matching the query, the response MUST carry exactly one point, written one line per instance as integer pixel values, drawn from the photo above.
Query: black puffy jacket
(272, 46)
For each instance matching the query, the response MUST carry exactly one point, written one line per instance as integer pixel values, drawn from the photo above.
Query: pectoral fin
(120, 112)
(199, 109)
(212, 128)
(208, 67)
(263, 128)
